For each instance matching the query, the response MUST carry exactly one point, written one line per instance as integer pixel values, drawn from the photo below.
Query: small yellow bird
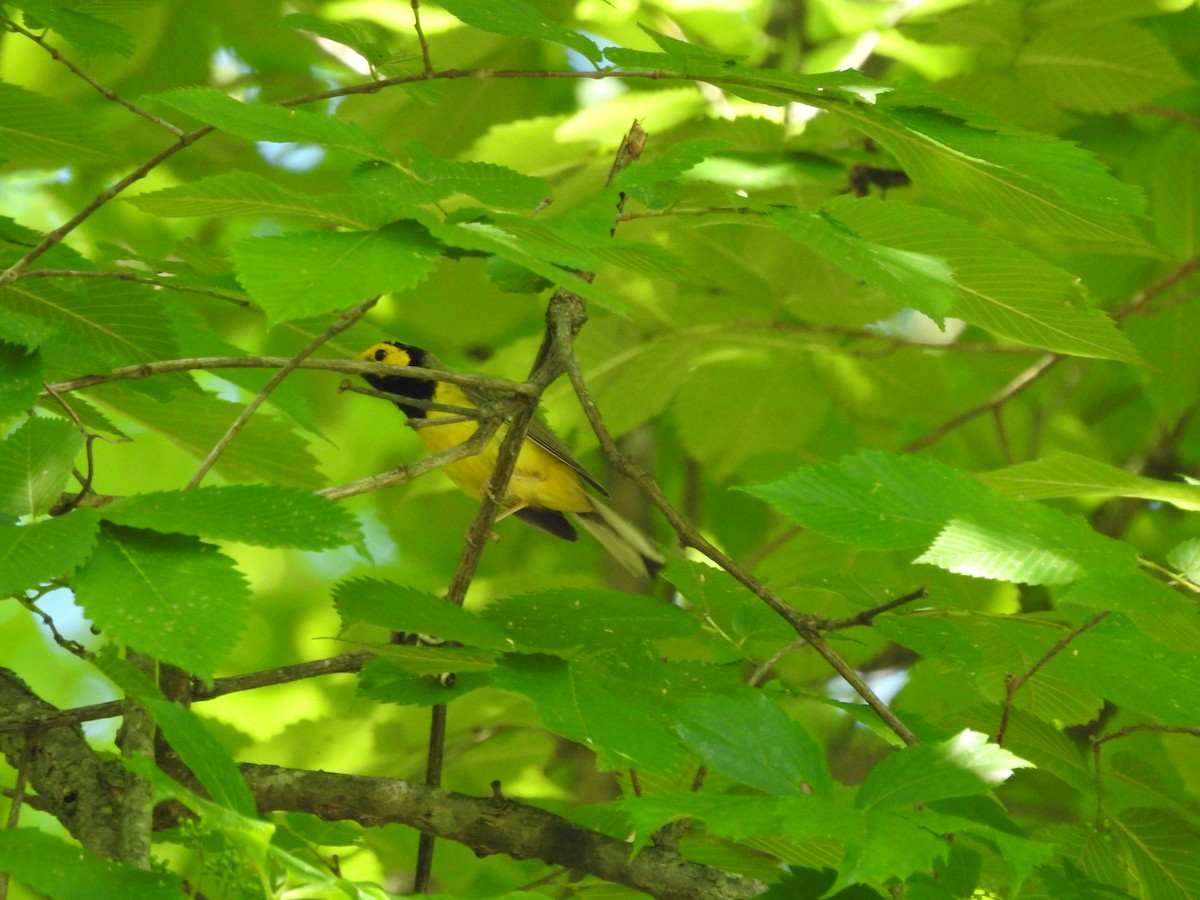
(547, 483)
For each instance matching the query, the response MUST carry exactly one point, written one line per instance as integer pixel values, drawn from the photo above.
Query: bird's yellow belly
(540, 479)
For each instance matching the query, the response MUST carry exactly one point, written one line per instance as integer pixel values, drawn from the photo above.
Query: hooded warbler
(547, 485)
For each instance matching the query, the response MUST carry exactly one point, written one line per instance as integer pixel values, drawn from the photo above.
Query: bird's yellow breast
(539, 479)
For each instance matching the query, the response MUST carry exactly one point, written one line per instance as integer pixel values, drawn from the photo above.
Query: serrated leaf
(262, 451)
(87, 33)
(247, 194)
(678, 159)
(425, 659)
(35, 464)
(575, 701)
(384, 682)
(21, 379)
(261, 122)
(964, 765)
(1043, 183)
(487, 238)
(116, 322)
(55, 868)
(751, 739)
(876, 500)
(403, 608)
(486, 182)
(759, 385)
(265, 515)
(33, 554)
(1024, 542)
(1128, 592)
(1185, 558)
(1151, 679)
(341, 32)
(294, 276)
(1161, 847)
(561, 621)
(1001, 287)
(170, 596)
(36, 130)
(922, 281)
(1062, 474)
(516, 18)
(1099, 68)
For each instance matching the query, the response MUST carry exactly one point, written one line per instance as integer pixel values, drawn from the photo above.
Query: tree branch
(516, 830)
(1013, 683)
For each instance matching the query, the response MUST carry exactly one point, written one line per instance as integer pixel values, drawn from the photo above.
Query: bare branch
(344, 322)
(488, 827)
(1013, 683)
(426, 62)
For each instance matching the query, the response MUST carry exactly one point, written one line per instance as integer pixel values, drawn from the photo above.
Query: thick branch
(490, 826)
(72, 784)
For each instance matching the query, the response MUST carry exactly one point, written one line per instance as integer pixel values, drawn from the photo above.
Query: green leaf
(1172, 376)
(964, 765)
(516, 18)
(263, 451)
(117, 322)
(21, 379)
(487, 183)
(1046, 184)
(1001, 287)
(198, 749)
(294, 276)
(1175, 196)
(1049, 749)
(758, 385)
(1099, 68)
(1062, 474)
(604, 714)
(407, 609)
(678, 159)
(923, 281)
(877, 500)
(53, 548)
(1162, 849)
(889, 846)
(261, 122)
(247, 194)
(265, 515)
(485, 237)
(1024, 542)
(561, 621)
(1150, 678)
(170, 596)
(341, 32)
(424, 659)
(1131, 592)
(751, 739)
(35, 463)
(89, 34)
(384, 682)
(66, 871)
(1185, 558)
(36, 130)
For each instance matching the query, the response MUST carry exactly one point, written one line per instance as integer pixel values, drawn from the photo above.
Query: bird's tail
(628, 546)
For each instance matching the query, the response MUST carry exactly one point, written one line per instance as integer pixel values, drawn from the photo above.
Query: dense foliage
(893, 323)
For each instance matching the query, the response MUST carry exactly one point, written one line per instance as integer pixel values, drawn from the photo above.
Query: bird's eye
(380, 355)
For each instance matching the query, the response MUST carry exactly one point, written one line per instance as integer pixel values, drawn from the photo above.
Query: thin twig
(18, 799)
(1022, 380)
(55, 237)
(45, 721)
(341, 366)
(164, 283)
(426, 61)
(1164, 284)
(344, 322)
(1013, 683)
(867, 616)
(78, 72)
